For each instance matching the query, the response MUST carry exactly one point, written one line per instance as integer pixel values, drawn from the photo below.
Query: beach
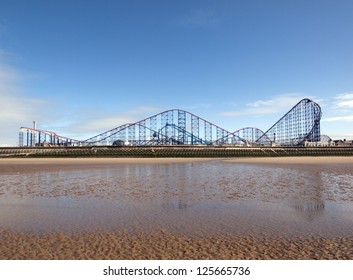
(239, 208)
(168, 246)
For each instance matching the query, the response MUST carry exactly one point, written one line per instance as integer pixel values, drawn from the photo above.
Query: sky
(81, 67)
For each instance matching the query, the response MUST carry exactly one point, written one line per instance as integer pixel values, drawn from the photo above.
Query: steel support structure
(300, 124)
(182, 125)
(179, 127)
(195, 129)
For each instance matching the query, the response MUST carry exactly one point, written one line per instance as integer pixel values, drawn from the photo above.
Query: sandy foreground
(166, 245)
(163, 244)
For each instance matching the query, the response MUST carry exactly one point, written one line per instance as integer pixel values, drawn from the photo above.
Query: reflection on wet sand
(311, 204)
(175, 196)
(191, 199)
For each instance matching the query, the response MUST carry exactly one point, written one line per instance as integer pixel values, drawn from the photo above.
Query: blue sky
(80, 67)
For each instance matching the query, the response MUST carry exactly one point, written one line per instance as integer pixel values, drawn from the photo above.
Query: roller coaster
(179, 127)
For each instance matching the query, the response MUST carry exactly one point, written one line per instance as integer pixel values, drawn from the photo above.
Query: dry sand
(43, 164)
(325, 160)
(163, 244)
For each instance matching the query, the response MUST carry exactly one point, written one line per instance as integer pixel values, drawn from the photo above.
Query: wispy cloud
(16, 108)
(336, 119)
(198, 18)
(338, 116)
(9, 77)
(278, 104)
(344, 100)
(341, 108)
(89, 126)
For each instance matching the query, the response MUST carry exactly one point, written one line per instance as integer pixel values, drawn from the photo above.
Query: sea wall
(173, 151)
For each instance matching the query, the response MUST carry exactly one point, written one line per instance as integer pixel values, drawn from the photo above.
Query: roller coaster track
(179, 127)
(300, 124)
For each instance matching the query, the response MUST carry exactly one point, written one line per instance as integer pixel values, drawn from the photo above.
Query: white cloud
(9, 77)
(345, 95)
(340, 109)
(282, 103)
(335, 119)
(345, 104)
(338, 116)
(97, 125)
(93, 125)
(344, 100)
(16, 108)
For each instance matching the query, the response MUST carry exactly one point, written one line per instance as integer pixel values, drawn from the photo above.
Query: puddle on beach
(196, 198)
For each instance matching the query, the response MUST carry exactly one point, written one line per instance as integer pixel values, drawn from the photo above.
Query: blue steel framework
(179, 127)
(300, 124)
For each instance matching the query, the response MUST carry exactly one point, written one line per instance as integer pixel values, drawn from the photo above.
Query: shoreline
(322, 160)
(43, 164)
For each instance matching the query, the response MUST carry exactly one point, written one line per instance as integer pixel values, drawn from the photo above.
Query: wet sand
(160, 243)
(45, 164)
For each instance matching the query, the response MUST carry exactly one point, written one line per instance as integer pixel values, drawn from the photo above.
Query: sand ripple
(166, 245)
